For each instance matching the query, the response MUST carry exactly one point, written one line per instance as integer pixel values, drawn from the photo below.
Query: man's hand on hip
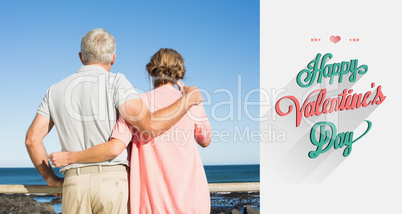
(55, 182)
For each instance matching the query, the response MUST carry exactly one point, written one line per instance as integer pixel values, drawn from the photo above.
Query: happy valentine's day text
(347, 100)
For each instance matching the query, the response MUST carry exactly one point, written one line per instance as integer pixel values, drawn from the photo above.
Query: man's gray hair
(98, 46)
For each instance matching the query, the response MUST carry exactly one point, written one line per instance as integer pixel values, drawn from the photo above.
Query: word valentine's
(324, 105)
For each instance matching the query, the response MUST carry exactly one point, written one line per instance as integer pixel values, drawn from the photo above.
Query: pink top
(166, 172)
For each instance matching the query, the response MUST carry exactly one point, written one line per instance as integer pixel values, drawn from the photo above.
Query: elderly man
(84, 108)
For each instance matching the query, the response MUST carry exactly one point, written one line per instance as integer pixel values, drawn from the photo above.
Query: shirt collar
(166, 87)
(91, 68)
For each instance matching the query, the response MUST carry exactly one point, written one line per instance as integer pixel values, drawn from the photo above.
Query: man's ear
(80, 55)
(114, 58)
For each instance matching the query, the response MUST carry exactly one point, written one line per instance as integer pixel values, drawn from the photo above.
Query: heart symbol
(335, 39)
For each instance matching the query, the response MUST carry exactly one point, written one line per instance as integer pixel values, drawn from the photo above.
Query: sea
(215, 174)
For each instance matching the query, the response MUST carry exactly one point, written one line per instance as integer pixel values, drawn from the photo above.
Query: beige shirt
(84, 107)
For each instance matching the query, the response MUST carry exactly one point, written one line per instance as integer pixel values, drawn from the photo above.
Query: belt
(94, 169)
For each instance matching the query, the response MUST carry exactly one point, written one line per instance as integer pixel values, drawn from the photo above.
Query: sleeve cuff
(122, 131)
(44, 114)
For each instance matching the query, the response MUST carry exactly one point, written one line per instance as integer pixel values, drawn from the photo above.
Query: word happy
(317, 70)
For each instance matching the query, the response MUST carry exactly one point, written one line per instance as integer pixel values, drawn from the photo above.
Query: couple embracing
(123, 152)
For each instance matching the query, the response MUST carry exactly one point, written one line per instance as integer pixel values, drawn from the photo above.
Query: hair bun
(166, 66)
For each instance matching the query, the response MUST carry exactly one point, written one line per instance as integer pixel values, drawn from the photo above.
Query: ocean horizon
(215, 174)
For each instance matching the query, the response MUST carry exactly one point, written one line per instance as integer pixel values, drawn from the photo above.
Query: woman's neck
(170, 83)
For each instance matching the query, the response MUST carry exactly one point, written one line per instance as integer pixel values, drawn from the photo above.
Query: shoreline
(235, 202)
(221, 203)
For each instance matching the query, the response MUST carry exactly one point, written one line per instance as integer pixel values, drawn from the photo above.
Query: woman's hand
(59, 159)
(181, 85)
(193, 95)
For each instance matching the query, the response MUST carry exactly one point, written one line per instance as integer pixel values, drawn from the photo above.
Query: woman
(166, 172)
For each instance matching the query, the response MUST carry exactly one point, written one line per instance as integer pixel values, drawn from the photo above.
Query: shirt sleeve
(124, 91)
(44, 106)
(202, 127)
(122, 131)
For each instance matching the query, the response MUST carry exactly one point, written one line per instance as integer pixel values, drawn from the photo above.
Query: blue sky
(219, 41)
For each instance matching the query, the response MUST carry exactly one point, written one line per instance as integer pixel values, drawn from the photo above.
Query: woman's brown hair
(166, 66)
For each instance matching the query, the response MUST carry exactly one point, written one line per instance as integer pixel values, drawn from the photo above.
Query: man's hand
(59, 159)
(39, 128)
(55, 182)
(136, 112)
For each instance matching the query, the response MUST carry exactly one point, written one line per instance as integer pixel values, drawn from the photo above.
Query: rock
(234, 211)
(56, 201)
(219, 210)
(224, 203)
(250, 210)
(21, 203)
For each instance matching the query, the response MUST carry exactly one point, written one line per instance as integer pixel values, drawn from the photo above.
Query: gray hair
(98, 46)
